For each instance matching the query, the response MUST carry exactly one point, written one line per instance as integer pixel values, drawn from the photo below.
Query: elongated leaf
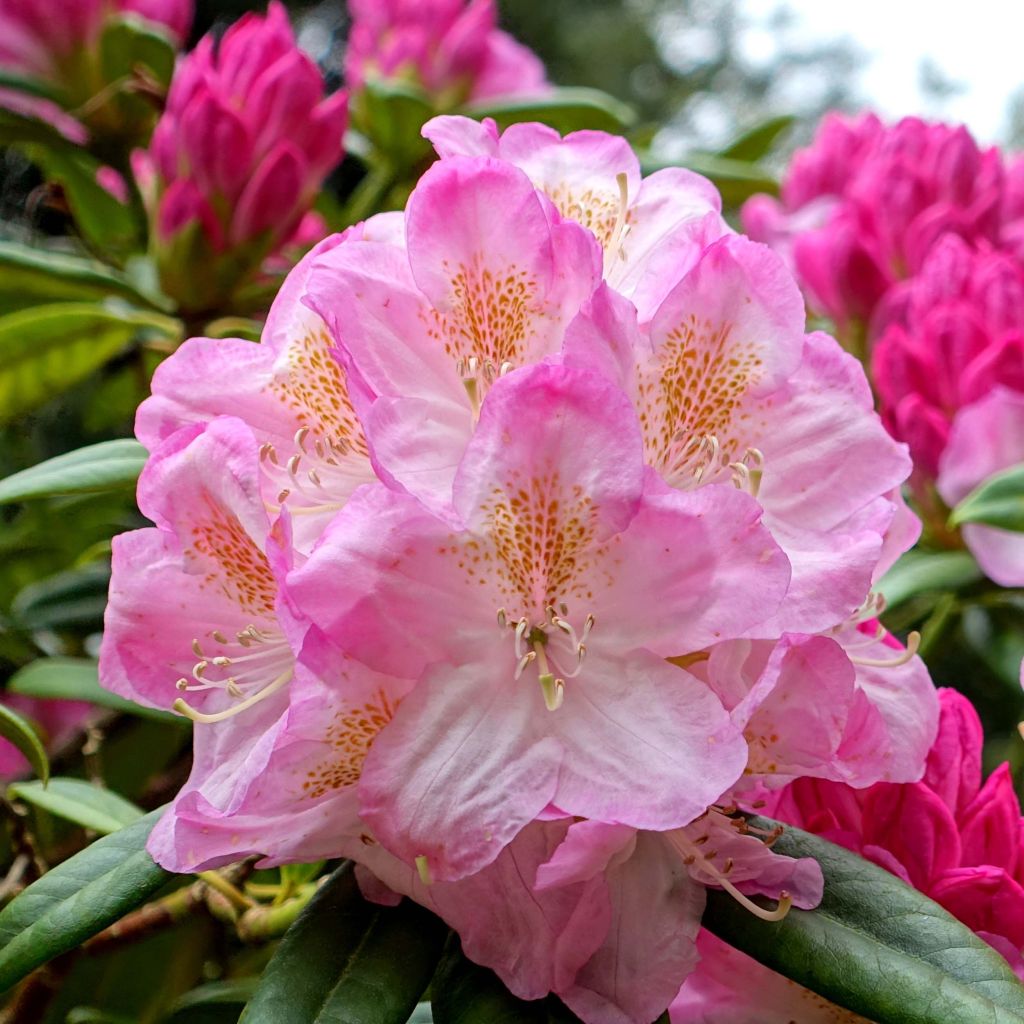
(77, 899)
(77, 679)
(737, 180)
(565, 110)
(79, 801)
(75, 598)
(754, 144)
(29, 277)
(108, 466)
(236, 992)
(347, 961)
(919, 572)
(45, 350)
(16, 730)
(998, 501)
(30, 86)
(875, 946)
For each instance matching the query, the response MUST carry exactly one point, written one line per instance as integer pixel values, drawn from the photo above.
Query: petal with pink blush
(953, 769)
(985, 898)
(990, 825)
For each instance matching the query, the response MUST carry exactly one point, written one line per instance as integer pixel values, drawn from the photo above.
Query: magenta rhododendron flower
(959, 336)
(863, 205)
(947, 835)
(452, 49)
(238, 156)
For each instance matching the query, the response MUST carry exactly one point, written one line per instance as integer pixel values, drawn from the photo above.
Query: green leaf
(31, 86)
(108, 466)
(45, 350)
(347, 961)
(129, 42)
(236, 992)
(465, 993)
(919, 572)
(391, 114)
(758, 141)
(77, 679)
(77, 899)
(565, 110)
(79, 801)
(30, 276)
(874, 945)
(72, 599)
(16, 730)
(998, 501)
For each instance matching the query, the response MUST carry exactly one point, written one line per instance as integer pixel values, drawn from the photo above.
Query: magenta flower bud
(238, 157)
(862, 208)
(451, 49)
(957, 333)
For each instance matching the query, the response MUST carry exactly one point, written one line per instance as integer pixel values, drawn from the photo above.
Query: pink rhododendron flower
(537, 623)
(987, 437)
(452, 49)
(863, 205)
(56, 722)
(948, 835)
(651, 230)
(960, 335)
(291, 393)
(238, 156)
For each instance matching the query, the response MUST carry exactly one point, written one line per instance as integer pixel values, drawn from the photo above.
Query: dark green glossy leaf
(77, 899)
(875, 946)
(347, 961)
(236, 992)
(565, 110)
(108, 466)
(79, 801)
(391, 114)
(758, 141)
(919, 572)
(998, 501)
(77, 679)
(16, 730)
(29, 277)
(45, 350)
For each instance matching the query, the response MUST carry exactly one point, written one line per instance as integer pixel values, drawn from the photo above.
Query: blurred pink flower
(956, 334)
(238, 157)
(47, 39)
(452, 49)
(863, 205)
(56, 722)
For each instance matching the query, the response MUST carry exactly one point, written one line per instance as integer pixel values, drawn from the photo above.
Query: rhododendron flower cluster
(534, 534)
(238, 157)
(909, 239)
(451, 49)
(949, 835)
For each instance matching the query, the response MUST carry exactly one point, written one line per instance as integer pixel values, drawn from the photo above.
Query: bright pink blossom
(452, 49)
(948, 835)
(958, 335)
(862, 207)
(536, 620)
(987, 437)
(55, 721)
(238, 156)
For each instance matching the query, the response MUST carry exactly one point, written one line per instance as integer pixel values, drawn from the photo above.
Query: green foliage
(108, 466)
(77, 899)
(346, 961)
(565, 110)
(46, 349)
(874, 945)
(16, 730)
(80, 802)
(998, 501)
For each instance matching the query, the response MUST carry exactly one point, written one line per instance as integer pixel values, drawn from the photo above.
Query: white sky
(977, 42)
